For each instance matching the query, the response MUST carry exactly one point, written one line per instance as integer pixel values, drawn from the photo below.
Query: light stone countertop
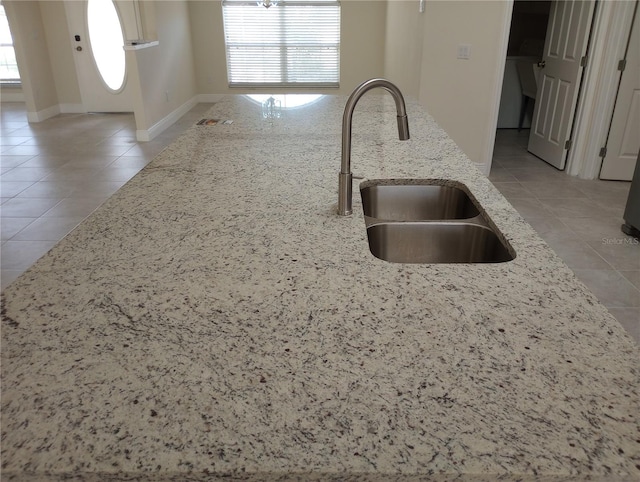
(216, 317)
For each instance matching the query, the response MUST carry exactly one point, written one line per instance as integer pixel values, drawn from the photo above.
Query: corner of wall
(145, 135)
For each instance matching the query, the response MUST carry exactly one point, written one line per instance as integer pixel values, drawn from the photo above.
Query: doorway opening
(526, 42)
(546, 59)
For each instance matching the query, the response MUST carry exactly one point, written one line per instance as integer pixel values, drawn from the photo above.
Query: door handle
(542, 64)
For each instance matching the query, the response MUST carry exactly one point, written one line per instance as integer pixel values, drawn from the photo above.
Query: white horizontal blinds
(291, 43)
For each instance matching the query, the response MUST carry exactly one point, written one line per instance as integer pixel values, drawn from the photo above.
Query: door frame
(610, 33)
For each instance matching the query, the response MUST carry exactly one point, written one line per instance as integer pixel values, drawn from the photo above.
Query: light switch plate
(464, 51)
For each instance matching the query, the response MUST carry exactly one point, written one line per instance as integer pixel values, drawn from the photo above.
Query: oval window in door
(107, 42)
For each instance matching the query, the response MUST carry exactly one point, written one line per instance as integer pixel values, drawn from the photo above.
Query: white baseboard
(145, 135)
(72, 109)
(141, 134)
(43, 114)
(54, 110)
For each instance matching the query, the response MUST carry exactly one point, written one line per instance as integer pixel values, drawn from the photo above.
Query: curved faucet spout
(345, 178)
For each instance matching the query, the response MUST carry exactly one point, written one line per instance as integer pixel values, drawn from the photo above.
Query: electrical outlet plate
(464, 51)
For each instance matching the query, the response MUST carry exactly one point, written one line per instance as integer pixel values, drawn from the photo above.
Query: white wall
(30, 43)
(166, 70)
(60, 53)
(462, 95)
(403, 46)
(362, 45)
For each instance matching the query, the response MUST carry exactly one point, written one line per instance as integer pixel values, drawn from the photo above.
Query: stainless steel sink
(416, 202)
(436, 242)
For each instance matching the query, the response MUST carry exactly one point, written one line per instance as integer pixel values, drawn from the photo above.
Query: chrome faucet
(346, 177)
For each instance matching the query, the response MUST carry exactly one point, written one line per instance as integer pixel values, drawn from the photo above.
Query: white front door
(623, 142)
(106, 91)
(559, 82)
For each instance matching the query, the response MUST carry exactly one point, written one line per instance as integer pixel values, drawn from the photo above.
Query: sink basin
(416, 202)
(436, 242)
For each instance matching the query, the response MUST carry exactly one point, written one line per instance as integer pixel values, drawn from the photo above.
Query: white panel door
(96, 95)
(624, 135)
(559, 82)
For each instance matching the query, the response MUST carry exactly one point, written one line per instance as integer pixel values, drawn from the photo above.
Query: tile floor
(579, 219)
(55, 173)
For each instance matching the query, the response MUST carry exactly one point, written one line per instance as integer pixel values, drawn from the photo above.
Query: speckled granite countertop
(217, 318)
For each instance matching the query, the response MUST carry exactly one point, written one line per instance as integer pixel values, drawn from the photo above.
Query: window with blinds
(282, 43)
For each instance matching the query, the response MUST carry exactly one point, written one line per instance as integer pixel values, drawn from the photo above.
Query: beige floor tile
(96, 189)
(71, 174)
(629, 318)
(130, 162)
(42, 189)
(48, 229)
(553, 190)
(513, 190)
(74, 207)
(27, 207)
(620, 252)
(539, 174)
(116, 174)
(500, 174)
(26, 174)
(573, 207)
(89, 162)
(604, 188)
(25, 131)
(109, 150)
(611, 288)
(577, 254)
(595, 230)
(518, 160)
(150, 149)
(47, 161)
(551, 226)
(530, 208)
(9, 227)
(8, 276)
(13, 161)
(8, 140)
(633, 276)
(13, 188)
(24, 150)
(121, 140)
(19, 255)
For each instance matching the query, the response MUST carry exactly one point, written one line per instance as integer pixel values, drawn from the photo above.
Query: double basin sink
(429, 221)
